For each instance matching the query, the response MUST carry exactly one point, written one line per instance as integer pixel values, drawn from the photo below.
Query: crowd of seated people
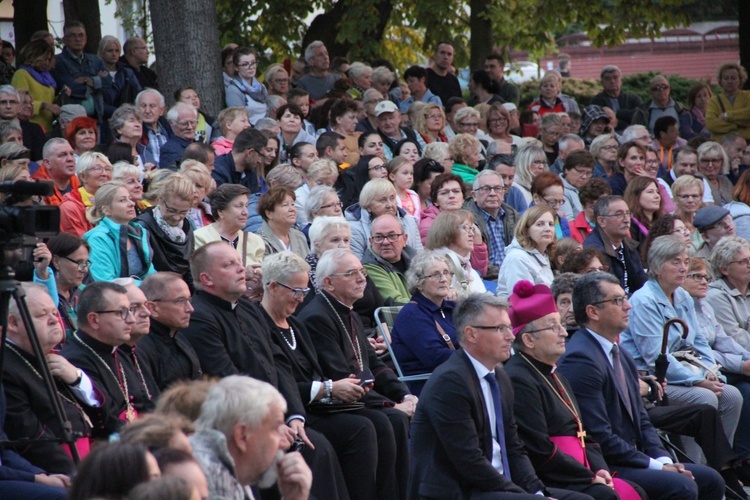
(210, 300)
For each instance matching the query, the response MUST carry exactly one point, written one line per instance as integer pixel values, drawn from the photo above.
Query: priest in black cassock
(105, 320)
(548, 416)
(30, 413)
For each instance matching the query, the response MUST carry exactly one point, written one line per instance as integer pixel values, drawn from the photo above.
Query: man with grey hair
(156, 128)
(604, 379)
(495, 218)
(734, 145)
(661, 104)
(239, 442)
(319, 80)
(638, 134)
(566, 145)
(612, 96)
(183, 118)
(230, 337)
(58, 166)
(370, 99)
(135, 57)
(464, 438)
(343, 349)
(33, 134)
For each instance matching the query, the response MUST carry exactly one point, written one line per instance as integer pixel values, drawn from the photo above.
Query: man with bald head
(661, 104)
(135, 56)
(388, 257)
(58, 166)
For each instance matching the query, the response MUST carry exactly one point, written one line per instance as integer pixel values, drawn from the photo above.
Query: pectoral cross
(581, 434)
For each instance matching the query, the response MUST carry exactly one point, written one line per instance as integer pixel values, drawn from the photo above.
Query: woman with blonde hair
(277, 80)
(688, 193)
(130, 175)
(93, 171)
(203, 184)
(498, 128)
(119, 246)
(430, 123)
(713, 165)
(549, 100)
(527, 257)
(465, 150)
(729, 111)
(531, 161)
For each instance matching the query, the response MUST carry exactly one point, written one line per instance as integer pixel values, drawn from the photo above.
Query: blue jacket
(68, 68)
(225, 172)
(108, 250)
(636, 275)
(417, 343)
(171, 152)
(642, 339)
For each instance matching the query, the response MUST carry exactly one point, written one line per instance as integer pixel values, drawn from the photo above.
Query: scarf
(257, 92)
(41, 78)
(175, 234)
(312, 260)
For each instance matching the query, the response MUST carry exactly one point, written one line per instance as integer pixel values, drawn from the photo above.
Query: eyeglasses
(172, 211)
(490, 189)
(437, 276)
(8, 102)
(661, 86)
(435, 117)
(297, 293)
(331, 205)
(743, 262)
(496, 120)
(469, 228)
(503, 329)
(619, 300)
(586, 172)
(446, 192)
(392, 237)
(123, 313)
(619, 215)
(82, 265)
(554, 203)
(377, 168)
(653, 161)
(644, 138)
(715, 161)
(611, 147)
(556, 327)
(246, 65)
(697, 277)
(280, 80)
(187, 123)
(352, 273)
(99, 168)
(179, 301)
(469, 124)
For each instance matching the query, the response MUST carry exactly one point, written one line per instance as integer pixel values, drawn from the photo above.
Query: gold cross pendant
(581, 434)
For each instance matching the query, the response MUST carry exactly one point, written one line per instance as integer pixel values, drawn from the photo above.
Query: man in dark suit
(605, 383)
(464, 437)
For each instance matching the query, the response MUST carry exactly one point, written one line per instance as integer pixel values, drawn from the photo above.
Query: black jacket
(168, 255)
(636, 274)
(169, 358)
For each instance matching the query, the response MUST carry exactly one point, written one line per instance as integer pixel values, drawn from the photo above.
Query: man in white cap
(389, 121)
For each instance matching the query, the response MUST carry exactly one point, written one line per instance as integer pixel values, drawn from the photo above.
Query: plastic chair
(385, 317)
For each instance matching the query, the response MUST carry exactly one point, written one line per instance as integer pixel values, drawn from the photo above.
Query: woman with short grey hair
(423, 336)
(660, 299)
(322, 200)
(728, 294)
(126, 126)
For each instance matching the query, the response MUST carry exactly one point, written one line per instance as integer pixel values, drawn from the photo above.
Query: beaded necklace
(357, 349)
(130, 414)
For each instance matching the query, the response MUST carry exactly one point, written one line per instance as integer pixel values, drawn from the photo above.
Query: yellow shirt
(22, 80)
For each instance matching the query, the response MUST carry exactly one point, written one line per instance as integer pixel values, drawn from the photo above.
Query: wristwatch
(77, 381)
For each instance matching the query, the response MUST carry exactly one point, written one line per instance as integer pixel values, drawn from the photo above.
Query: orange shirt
(56, 198)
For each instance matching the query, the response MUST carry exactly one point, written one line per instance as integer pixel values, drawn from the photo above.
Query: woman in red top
(589, 194)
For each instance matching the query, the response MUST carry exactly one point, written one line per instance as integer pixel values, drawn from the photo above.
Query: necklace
(357, 349)
(293, 344)
(33, 369)
(561, 393)
(138, 369)
(130, 414)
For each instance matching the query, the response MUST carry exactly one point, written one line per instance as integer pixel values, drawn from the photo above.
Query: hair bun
(523, 289)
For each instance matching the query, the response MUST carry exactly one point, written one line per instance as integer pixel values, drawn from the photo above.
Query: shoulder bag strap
(442, 333)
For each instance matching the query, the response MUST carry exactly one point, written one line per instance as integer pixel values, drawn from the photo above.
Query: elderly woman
(244, 90)
(118, 244)
(382, 78)
(498, 128)
(130, 175)
(276, 207)
(360, 77)
(728, 294)
(318, 173)
(693, 122)
(127, 128)
(531, 161)
(277, 80)
(343, 120)
(423, 335)
(378, 197)
(322, 201)
(169, 230)
(645, 204)
(291, 131)
(70, 261)
(93, 170)
(527, 257)
(729, 111)
(232, 121)
(430, 123)
(732, 357)
(82, 135)
(713, 165)
(33, 74)
(688, 193)
(200, 214)
(547, 191)
(660, 299)
(604, 149)
(229, 206)
(464, 149)
(452, 234)
(13, 155)
(439, 152)
(549, 100)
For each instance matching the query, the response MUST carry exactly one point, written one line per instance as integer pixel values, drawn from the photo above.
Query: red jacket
(73, 213)
(580, 228)
(56, 198)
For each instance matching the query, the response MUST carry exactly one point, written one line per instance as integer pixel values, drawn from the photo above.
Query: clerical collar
(348, 308)
(96, 344)
(541, 365)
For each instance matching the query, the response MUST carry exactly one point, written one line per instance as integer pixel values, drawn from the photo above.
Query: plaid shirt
(156, 139)
(496, 244)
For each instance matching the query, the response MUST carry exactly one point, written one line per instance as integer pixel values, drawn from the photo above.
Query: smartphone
(297, 445)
